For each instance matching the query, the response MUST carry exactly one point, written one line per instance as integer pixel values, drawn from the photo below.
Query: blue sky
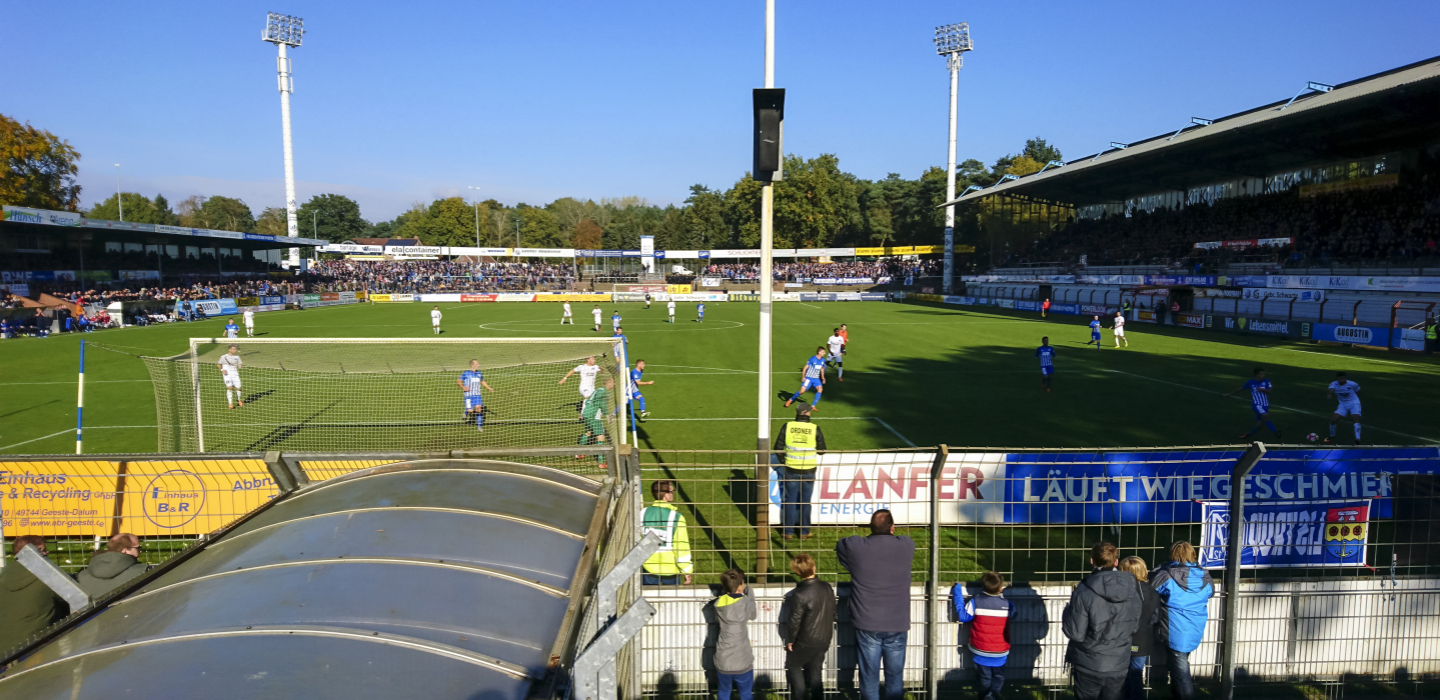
(529, 101)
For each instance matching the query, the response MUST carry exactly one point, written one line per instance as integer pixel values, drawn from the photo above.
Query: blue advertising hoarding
(1289, 534)
(1356, 335)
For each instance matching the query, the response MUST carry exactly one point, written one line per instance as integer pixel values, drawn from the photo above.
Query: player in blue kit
(1259, 388)
(635, 384)
(812, 376)
(1047, 362)
(471, 381)
(1095, 332)
(700, 313)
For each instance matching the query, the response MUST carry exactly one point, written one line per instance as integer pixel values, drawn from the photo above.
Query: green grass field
(915, 374)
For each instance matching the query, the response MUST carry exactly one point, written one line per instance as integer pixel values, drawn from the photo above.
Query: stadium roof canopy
(67, 225)
(1389, 111)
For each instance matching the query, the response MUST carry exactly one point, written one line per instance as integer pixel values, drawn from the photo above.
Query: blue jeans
(1135, 678)
(796, 487)
(992, 679)
(1178, 666)
(872, 649)
(744, 681)
(653, 580)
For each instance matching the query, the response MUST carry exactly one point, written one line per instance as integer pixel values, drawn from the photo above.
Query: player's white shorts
(435, 322)
(232, 381)
(585, 393)
(1348, 408)
(1120, 332)
(249, 324)
(567, 314)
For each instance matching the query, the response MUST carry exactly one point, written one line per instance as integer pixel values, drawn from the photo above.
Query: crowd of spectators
(1398, 224)
(438, 276)
(798, 271)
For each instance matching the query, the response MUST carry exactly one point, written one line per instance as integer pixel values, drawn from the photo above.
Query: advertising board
(217, 307)
(629, 296)
(1296, 294)
(1408, 339)
(644, 288)
(1288, 534)
(744, 296)
(1243, 324)
(1354, 335)
(1147, 316)
(1190, 320)
(679, 289)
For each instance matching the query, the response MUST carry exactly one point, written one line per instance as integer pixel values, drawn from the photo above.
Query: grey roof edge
(1428, 69)
(428, 647)
(390, 509)
(563, 479)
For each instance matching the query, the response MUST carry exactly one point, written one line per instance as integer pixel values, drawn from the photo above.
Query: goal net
(382, 394)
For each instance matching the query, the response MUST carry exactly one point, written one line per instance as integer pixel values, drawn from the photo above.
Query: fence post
(1234, 541)
(762, 515)
(932, 585)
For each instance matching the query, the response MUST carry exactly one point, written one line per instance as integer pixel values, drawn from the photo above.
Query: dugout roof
(425, 579)
(1389, 111)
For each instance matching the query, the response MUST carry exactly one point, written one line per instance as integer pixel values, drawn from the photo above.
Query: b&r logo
(173, 498)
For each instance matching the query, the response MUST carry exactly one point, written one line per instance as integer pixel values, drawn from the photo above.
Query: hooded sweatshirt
(107, 571)
(733, 655)
(27, 606)
(1185, 591)
(1100, 620)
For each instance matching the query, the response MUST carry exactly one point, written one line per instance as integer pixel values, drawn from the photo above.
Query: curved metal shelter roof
(432, 578)
(1388, 111)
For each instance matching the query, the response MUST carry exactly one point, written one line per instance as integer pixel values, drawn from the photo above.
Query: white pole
(949, 262)
(767, 247)
(119, 203)
(287, 85)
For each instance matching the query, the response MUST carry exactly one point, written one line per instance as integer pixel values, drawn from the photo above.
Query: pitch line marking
(47, 437)
(1348, 357)
(1283, 408)
(896, 433)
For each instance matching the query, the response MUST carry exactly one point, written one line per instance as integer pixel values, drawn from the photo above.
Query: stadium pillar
(767, 271)
(933, 597)
(949, 262)
(1235, 540)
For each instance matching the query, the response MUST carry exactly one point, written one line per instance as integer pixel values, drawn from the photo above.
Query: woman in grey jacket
(734, 660)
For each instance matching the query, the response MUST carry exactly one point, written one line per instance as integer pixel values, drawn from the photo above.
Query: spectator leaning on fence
(803, 442)
(734, 659)
(1185, 590)
(670, 564)
(808, 629)
(879, 566)
(1141, 643)
(27, 606)
(1100, 622)
(119, 563)
(989, 614)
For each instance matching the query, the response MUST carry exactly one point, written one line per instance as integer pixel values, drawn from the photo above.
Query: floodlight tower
(285, 31)
(952, 41)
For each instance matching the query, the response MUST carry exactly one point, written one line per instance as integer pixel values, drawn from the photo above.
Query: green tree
(40, 168)
(816, 205)
(138, 209)
(703, 220)
(1024, 165)
(539, 228)
(224, 214)
(445, 222)
(1037, 149)
(332, 217)
(272, 222)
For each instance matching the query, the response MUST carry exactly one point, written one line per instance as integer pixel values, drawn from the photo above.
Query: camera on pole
(769, 134)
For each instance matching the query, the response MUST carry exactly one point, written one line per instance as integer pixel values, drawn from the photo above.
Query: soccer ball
(1312, 437)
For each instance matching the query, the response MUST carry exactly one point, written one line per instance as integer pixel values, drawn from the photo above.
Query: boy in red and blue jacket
(989, 614)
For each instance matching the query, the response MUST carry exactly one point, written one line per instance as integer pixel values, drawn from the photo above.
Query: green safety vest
(1430, 332)
(673, 557)
(800, 448)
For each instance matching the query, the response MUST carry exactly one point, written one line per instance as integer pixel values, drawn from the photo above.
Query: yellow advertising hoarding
(192, 497)
(58, 499)
(679, 289)
(573, 297)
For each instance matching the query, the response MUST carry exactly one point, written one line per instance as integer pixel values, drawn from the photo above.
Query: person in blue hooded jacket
(1185, 591)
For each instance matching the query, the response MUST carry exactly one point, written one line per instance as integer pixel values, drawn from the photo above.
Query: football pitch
(915, 375)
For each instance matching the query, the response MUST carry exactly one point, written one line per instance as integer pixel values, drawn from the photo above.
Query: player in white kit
(435, 320)
(1347, 394)
(588, 372)
(1120, 330)
(836, 345)
(229, 365)
(249, 322)
(596, 313)
(568, 316)
(671, 308)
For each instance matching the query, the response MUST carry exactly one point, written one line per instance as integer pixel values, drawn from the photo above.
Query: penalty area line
(1283, 408)
(895, 432)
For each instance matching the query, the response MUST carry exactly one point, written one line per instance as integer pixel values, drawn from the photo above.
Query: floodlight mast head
(953, 40)
(283, 29)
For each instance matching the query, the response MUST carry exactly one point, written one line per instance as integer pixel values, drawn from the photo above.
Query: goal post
(389, 394)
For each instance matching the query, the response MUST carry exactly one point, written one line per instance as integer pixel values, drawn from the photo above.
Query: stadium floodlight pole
(952, 41)
(477, 218)
(285, 31)
(118, 202)
(767, 253)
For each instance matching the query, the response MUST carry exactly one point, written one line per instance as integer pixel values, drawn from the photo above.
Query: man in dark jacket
(879, 567)
(808, 629)
(1185, 590)
(119, 563)
(1100, 620)
(27, 606)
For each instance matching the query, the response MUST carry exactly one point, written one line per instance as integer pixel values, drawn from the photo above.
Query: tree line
(817, 205)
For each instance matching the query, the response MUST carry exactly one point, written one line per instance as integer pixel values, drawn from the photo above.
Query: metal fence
(1307, 593)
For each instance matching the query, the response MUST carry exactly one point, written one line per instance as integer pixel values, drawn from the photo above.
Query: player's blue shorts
(1047, 371)
(809, 384)
(635, 395)
(473, 402)
(1259, 410)
(1094, 335)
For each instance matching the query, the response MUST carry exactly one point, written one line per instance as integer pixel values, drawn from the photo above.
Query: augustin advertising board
(1288, 534)
(1355, 335)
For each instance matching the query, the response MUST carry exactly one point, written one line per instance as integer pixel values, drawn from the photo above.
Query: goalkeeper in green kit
(592, 414)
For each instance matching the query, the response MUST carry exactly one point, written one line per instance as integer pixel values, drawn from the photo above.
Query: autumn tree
(40, 168)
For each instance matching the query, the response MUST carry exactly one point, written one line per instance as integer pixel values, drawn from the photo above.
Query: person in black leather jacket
(808, 630)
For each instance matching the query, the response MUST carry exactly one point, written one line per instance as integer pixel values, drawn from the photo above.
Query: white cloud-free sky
(399, 102)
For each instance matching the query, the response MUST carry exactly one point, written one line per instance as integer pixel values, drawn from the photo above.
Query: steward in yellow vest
(672, 561)
(802, 442)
